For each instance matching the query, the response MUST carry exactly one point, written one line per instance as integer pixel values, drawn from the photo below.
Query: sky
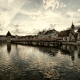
(25, 17)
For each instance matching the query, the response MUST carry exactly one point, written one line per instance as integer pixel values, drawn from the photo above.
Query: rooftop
(64, 33)
(8, 34)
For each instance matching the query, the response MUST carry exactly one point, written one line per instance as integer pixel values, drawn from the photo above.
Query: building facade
(68, 35)
(48, 34)
(65, 35)
(3, 38)
(78, 36)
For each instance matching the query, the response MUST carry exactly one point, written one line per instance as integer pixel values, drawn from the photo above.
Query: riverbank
(71, 43)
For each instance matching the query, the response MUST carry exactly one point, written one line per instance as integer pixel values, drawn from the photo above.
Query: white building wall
(50, 35)
(78, 37)
(71, 37)
(67, 38)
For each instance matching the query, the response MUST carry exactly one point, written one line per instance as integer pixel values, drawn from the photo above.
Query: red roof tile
(64, 33)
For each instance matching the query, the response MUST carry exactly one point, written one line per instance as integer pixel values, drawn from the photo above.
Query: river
(19, 62)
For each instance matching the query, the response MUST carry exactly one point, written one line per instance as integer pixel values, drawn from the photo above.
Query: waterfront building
(3, 38)
(78, 37)
(51, 33)
(72, 35)
(48, 34)
(65, 35)
(68, 35)
(41, 34)
(30, 37)
(13, 37)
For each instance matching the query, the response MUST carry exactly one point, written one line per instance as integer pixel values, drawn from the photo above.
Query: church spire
(72, 26)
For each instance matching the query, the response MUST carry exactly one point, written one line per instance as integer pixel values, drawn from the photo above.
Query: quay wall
(71, 43)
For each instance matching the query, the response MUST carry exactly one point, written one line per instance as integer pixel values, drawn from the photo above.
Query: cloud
(8, 11)
(4, 19)
(40, 20)
(1, 29)
(41, 15)
(53, 4)
(47, 4)
(10, 1)
(79, 10)
(63, 5)
(32, 15)
(37, 14)
(32, 5)
(78, 22)
(73, 15)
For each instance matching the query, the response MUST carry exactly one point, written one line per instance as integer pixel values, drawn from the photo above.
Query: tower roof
(8, 34)
(72, 26)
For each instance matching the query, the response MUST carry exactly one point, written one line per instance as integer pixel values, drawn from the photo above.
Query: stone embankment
(71, 43)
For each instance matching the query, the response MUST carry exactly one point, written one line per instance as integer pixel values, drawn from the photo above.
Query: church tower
(72, 28)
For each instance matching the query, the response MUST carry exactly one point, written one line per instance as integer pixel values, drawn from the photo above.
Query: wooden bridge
(38, 42)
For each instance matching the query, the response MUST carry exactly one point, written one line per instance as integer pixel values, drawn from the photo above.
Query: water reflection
(8, 47)
(39, 63)
(49, 50)
(69, 50)
(78, 48)
(65, 50)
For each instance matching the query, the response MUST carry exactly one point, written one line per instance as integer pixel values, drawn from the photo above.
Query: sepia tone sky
(24, 17)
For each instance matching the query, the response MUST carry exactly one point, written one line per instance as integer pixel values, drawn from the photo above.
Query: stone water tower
(8, 37)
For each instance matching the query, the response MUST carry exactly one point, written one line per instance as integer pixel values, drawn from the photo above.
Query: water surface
(18, 62)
